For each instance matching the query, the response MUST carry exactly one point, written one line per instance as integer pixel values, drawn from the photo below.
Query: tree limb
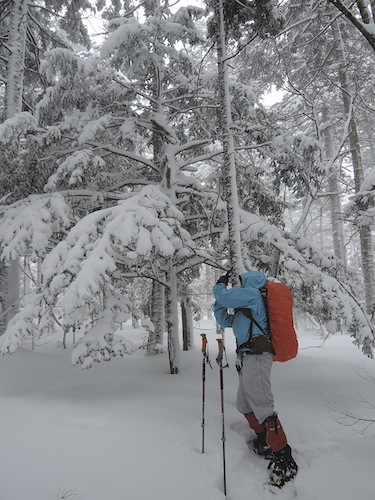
(358, 24)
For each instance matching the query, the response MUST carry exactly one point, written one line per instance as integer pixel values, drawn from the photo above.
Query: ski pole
(206, 360)
(219, 361)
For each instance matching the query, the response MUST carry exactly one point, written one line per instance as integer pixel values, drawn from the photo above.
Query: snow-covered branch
(28, 225)
(366, 28)
(142, 229)
(309, 270)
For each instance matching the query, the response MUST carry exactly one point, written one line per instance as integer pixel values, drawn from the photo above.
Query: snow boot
(283, 467)
(261, 448)
(260, 445)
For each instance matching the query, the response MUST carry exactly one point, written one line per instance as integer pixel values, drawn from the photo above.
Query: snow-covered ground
(127, 430)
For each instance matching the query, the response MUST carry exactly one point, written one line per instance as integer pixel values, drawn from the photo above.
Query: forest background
(139, 165)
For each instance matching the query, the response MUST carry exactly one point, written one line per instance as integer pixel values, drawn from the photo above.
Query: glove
(224, 279)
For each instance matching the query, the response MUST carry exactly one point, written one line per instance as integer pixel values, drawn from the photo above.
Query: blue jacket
(248, 296)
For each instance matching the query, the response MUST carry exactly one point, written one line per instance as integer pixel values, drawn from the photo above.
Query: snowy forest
(147, 147)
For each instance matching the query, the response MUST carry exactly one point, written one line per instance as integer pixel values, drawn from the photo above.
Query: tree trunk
(361, 25)
(372, 5)
(229, 179)
(367, 254)
(172, 318)
(157, 316)
(9, 273)
(334, 193)
(274, 267)
(364, 10)
(16, 61)
(187, 322)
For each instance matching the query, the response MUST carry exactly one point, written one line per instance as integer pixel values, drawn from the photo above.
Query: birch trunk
(229, 179)
(367, 254)
(9, 273)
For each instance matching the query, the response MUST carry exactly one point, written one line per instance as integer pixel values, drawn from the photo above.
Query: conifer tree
(24, 29)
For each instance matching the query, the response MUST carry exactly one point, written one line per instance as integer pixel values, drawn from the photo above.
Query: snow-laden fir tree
(25, 33)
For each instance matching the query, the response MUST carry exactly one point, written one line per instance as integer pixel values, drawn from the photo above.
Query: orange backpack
(278, 300)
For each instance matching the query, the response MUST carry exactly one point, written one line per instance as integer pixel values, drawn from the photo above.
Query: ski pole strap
(205, 349)
(222, 354)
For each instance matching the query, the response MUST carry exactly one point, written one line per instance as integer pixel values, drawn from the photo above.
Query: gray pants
(254, 391)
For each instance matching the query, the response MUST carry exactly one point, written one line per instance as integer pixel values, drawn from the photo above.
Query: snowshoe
(283, 467)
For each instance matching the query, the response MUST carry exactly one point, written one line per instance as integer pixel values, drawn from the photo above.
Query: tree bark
(187, 322)
(16, 60)
(334, 193)
(367, 254)
(157, 316)
(370, 37)
(172, 318)
(9, 273)
(364, 10)
(229, 179)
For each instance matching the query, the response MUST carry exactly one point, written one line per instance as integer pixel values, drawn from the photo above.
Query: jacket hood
(253, 278)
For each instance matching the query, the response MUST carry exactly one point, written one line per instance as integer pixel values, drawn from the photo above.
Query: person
(254, 396)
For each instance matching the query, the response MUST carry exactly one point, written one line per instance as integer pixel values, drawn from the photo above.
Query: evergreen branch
(355, 300)
(197, 159)
(141, 181)
(189, 145)
(242, 47)
(116, 151)
(209, 232)
(199, 258)
(253, 146)
(296, 25)
(137, 274)
(54, 13)
(130, 86)
(48, 33)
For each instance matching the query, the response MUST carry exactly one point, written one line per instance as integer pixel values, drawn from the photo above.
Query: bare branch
(358, 24)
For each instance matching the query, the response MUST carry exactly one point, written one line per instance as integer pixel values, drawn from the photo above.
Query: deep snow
(127, 430)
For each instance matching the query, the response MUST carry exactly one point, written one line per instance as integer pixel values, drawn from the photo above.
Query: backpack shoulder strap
(263, 292)
(247, 312)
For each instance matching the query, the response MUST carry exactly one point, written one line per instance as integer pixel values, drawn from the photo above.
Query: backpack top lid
(253, 278)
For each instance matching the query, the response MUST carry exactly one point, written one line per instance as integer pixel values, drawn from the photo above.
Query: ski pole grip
(221, 354)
